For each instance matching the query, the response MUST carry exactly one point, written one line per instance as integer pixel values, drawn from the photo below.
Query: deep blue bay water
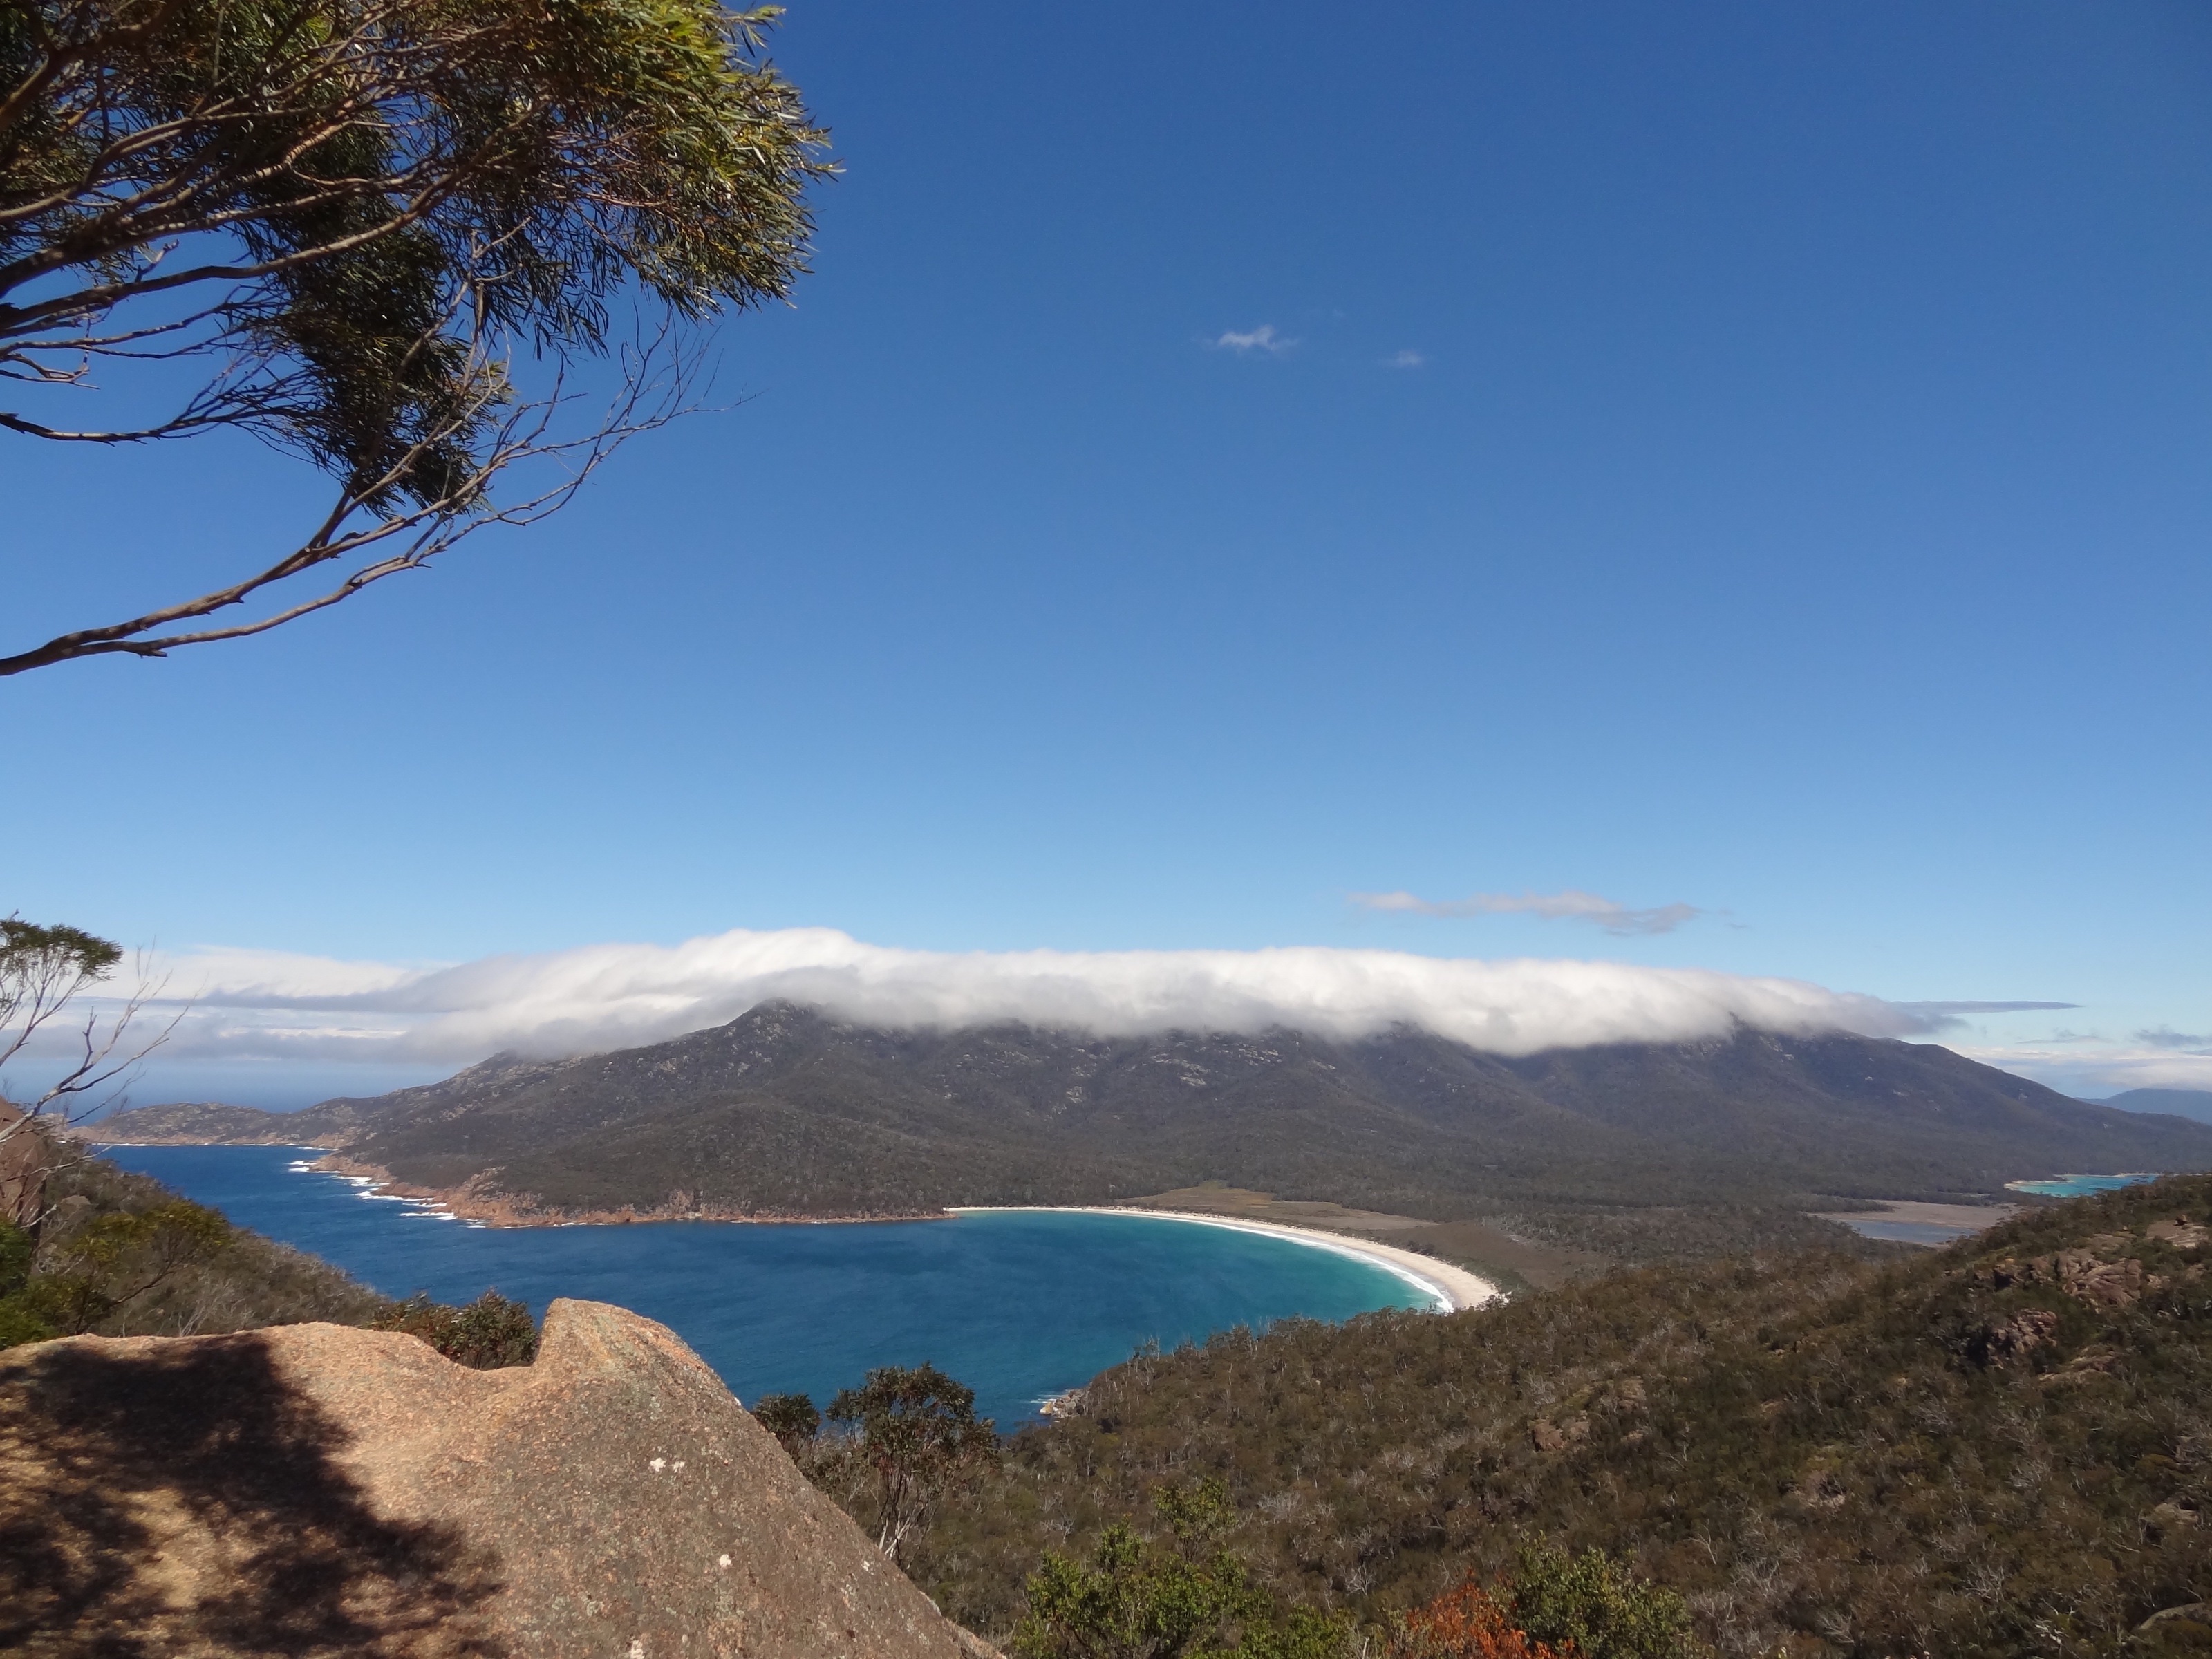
(1017, 1304)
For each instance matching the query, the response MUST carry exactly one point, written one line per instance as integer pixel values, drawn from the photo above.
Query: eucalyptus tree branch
(172, 428)
(361, 213)
(656, 390)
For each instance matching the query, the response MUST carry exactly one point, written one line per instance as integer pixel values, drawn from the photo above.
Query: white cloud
(254, 1005)
(1262, 338)
(1947, 1010)
(1404, 360)
(1570, 905)
(245, 978)
(2099, 1069)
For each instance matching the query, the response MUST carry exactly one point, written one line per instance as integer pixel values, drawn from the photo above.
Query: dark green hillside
(110, 1253)
(2000, 1448)
(120, 1255)
(786, 1111)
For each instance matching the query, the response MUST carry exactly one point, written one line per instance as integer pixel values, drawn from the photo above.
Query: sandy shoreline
(1455, 1288)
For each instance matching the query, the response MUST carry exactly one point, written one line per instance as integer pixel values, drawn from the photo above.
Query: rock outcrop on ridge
(319, 1490)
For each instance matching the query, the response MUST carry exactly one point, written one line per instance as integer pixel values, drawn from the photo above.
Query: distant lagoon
(1018, 1305)
(2080, 1186)
(1907, 1233)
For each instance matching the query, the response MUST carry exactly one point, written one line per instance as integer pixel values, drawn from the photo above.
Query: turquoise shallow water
(1018, 1305)
(2077, 1186)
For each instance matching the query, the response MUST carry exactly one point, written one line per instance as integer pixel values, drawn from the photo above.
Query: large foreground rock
(318, 1490)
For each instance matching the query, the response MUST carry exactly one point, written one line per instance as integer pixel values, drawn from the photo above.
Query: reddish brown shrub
(1469, 1623)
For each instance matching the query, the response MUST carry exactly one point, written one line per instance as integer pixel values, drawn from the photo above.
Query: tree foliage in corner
(346, 218)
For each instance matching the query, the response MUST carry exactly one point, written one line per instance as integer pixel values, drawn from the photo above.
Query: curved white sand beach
(1453, 1288)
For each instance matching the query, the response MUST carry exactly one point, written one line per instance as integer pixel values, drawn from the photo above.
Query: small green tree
(1189, 1598)
(793, 1418)
(917, 1430)
(1599, 1605)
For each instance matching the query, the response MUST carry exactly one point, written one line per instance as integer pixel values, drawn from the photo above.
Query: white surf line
(370, 1188)
(1451, 1288)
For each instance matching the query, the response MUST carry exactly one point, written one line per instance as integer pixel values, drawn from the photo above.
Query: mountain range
(785, 1111)
(2173, 1102)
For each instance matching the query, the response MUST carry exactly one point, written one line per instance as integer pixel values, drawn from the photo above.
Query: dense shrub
(488, 1335)
(793, 1418)
(120, 1255)
(1467, 1623)
(1183, 1597)
(88, 1272)
(1597, 1608)
(18, 1321)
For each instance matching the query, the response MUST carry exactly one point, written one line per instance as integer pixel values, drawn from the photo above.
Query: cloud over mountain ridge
(258, 1003)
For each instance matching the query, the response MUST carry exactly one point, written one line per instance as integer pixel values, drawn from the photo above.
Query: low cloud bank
(2095, 1068)
(264, 1006)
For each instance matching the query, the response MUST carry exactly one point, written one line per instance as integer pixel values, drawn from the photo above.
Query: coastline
(1454, 1287)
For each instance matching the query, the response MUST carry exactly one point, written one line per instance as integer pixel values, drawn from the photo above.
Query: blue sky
(1751, 458)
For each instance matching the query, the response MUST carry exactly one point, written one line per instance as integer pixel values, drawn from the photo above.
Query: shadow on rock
(187, 1498)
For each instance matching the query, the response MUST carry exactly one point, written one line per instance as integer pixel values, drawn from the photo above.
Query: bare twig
(104, 1050)
(650, 398)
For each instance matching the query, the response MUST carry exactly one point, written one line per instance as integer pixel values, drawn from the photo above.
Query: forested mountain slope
(785, 1111)
(2000, 1448)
